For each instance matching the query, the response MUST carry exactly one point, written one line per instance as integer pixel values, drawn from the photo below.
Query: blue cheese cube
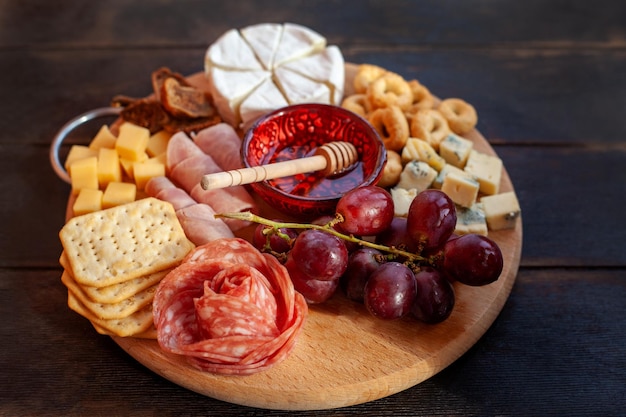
(487, 169)
(461, 189)
(447, 168)
(402, 199)
(455, 150)
(418, 175)
(501, 210)
(471, 220)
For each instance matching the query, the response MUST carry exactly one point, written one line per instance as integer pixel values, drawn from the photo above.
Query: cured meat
(187, 163)
(222, 143)
(197, 219)
(229, 309)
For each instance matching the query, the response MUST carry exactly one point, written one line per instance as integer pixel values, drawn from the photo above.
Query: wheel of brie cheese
(263, 67)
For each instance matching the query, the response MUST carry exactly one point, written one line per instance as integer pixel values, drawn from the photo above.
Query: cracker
(137, 323)
(110, 311)
(117, 292)
(124, 242)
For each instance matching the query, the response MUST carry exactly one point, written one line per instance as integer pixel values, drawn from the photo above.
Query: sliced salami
(229, 309)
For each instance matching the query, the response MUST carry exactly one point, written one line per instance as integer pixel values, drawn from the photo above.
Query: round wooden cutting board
(344, 355)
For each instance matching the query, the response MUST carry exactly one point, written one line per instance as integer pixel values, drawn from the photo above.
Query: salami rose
(229, 309)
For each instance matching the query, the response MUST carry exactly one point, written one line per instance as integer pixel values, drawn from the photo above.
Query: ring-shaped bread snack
(461, 115)
(365, 75)
(390, 90)
(422, 98)
(357, 103)
(392, 171)
(391, 125)
(429, 125)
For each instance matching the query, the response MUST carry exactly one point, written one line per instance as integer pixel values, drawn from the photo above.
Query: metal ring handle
(67, 128)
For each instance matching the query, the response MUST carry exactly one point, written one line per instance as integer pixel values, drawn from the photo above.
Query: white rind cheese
(303, 68)
(501, 210)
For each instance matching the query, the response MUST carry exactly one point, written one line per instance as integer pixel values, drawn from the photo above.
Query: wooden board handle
(331, 158)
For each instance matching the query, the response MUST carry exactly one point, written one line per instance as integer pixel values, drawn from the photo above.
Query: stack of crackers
(114, 259)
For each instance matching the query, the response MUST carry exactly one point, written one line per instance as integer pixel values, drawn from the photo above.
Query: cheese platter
(345, 356)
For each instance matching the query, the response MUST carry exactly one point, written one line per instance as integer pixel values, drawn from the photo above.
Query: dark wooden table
(548, 79)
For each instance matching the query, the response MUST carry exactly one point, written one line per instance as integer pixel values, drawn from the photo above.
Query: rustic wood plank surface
(547, 78)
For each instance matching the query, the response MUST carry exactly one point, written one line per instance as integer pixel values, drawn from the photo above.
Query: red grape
(431, 218)
(313, 290)
(472, 259)
(366, 210)
(361, 264)
(276, 243)
(320, 255)
(435, 296)
(324, 220)
(397, 235)
(390, 291)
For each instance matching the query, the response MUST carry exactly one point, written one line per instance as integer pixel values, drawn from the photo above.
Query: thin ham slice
(187, 163)
(197, 219)
(229, 309)
(222, 142)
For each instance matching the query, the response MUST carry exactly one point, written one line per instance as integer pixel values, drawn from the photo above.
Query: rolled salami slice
(229, 309)
(222, 143)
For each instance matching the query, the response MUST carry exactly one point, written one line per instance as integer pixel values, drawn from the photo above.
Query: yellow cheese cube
(78, 152)
(87, 201)
(487, 169)
(160, 159)
(132, 141)
(118, 193)
(461, 189)
(108, 167)
(128, 164)
(103, 139)
(157, 144)
(143, 171)
(84, 174)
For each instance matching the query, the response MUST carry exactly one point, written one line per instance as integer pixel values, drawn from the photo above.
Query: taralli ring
(390, 90)
(461, 115)
(391, 125)
(366, 74)
(357, 103)
(430, 126)
(422, 98)
(392, 171)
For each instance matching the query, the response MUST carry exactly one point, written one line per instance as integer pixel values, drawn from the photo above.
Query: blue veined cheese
(402, 199)
(501, 210)
(418, 175)
(471, 220)
(461, 189)
(447, 168)
(487, 169)
(420, 150)
(455, 150)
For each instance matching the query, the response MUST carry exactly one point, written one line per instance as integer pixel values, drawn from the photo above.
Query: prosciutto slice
(222, 142)
(187, 163)
(197, 219)
(229, 309)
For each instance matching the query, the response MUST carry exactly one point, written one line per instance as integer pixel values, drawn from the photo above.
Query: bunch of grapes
(395, 266)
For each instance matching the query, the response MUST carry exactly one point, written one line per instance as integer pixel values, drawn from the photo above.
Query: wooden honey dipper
(331, 159)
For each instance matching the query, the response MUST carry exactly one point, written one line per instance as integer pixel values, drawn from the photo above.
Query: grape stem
(328, 228)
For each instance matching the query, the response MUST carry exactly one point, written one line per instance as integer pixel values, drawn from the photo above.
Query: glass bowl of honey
(295, 132)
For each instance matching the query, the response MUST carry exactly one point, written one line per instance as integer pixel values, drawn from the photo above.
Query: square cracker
(115, 293)
(137, 323)
(109, 311)
(124, 242)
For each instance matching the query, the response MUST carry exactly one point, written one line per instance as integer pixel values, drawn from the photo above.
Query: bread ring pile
(400, 109)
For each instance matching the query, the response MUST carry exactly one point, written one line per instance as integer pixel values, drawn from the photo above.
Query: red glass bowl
(296, 131)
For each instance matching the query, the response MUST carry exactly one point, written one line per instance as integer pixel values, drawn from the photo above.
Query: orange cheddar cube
(103, 139)
(109, 169)
(118, 193)
(132, 141)
(84, 174)
(87, 201)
